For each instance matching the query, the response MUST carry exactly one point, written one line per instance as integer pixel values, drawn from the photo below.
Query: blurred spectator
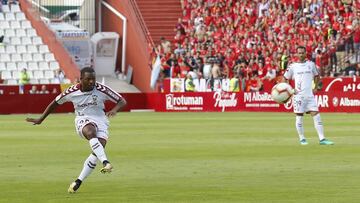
(349, 70)
(179, 49)
(332, 52)
(54, 91)
(59, 76)
(207, 69)
(234, 83)
(23, 80)
(334, 72)
(165, 45)
(189, 83)
(43, 90)
(270, 71)
(180, 27)
(255, 84)
(284, 60)
(242, 81)
(1, 80)
(215, 71)
(2, 39)
(263, 8)
(357, 42)
(184, 69)
(33, 90)
(174, 70)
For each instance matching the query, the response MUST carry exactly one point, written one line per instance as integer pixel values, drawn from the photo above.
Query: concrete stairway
(160, 17)
(119, 85)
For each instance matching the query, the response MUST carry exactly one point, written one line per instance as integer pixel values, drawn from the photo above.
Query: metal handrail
(142, 22)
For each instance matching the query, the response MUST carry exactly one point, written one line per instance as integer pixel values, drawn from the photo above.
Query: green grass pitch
(184, 157)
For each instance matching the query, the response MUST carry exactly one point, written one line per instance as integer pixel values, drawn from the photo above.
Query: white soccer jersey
(303, 75)
(89, 104)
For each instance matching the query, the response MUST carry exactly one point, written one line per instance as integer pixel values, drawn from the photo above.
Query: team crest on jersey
(94, 97)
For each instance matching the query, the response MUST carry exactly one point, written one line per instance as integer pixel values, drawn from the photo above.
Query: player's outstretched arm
(50, 108)
(116, 108)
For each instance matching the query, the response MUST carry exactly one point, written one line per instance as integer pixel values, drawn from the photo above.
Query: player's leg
(298, 106)
(89, 166)
(107, 167)
(90, 163)
(88, 130)
(319, 128)
(313, 109)
(300, 128)
(318, 124)
(97, 144)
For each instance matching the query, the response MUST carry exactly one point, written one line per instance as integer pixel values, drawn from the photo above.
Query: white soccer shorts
(303, 104)
(101, 127)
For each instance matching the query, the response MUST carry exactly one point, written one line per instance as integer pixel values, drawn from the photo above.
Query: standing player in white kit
(91, 122)
(303, 73)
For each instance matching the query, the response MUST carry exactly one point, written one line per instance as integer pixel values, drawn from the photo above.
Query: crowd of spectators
(256, 39)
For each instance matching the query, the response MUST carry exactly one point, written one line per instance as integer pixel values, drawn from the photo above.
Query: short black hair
(86, 70)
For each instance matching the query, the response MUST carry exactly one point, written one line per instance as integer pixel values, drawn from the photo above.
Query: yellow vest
(234, 85)
(24, 78)
(189, 85)
(284, 61)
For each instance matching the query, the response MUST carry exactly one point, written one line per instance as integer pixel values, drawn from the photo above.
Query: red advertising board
(333, 101)
(337, 95)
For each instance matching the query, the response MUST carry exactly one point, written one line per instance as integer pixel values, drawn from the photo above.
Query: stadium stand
(244, 36)
(24, 49)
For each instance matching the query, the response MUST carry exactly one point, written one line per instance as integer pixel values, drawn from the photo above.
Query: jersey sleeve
(289, 72)
(109, 93)
(66, 95)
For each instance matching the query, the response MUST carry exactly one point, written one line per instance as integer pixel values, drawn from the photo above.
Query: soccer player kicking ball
(91, 122)
(303, 73)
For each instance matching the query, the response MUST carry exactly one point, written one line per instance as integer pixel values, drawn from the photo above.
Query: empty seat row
(24, 40)
(6, 24)
(30, 57)
(32, 81)
(21, 49)
(20, 32)
(8, 33)
(36, 74)
(37, 81)
(12, 8)
(26, 57)
(41, 65)
(18, 16)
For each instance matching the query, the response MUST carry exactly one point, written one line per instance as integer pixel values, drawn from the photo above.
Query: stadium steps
(160, 17)
(117, 85)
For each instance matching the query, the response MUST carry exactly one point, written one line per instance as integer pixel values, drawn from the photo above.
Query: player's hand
(315, 90)
(111, 114)
(35, 121)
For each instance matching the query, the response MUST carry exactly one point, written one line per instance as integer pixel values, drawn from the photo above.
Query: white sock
(319, 126)
(89, 166)
(98, 149)
(299, 127)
